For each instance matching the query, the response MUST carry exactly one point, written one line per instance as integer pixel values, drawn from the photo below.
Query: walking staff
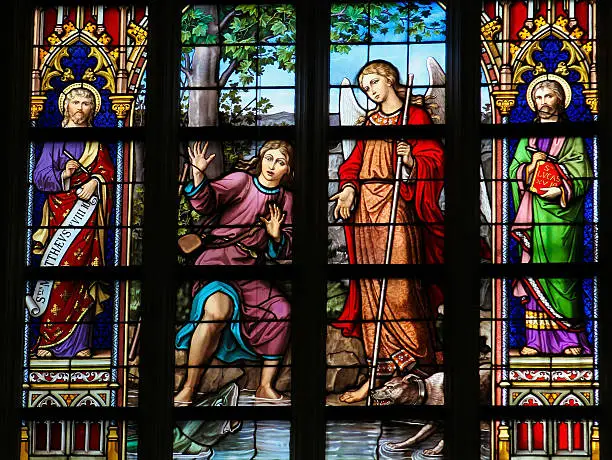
(388, 249)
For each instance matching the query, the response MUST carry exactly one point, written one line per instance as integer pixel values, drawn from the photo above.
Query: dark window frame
(310, 271)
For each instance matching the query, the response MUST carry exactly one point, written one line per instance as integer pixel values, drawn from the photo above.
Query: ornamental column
(590, 95)
(121, 102)
(505, 97)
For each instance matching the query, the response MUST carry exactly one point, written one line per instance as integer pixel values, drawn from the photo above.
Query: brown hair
(79, 92)
(387, 70)
(253, 166)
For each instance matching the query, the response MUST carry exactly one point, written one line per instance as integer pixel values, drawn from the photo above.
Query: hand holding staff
(389, 246)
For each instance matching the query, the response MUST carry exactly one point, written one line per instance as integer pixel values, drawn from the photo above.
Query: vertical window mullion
(19, 35)
(159, 248)
(310, 247)
(462, 222)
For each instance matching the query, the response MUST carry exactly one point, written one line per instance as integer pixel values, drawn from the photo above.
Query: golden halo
(96, 94)
(549, 76)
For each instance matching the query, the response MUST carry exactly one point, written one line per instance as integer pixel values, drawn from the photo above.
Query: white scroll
(63, 238)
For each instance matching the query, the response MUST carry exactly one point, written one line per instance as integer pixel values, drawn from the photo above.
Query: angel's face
(377, 87)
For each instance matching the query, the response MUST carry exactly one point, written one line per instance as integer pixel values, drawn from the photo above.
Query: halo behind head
(95, 93)
(549, 76)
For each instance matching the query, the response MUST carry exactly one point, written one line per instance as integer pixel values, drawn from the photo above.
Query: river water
(346, 440)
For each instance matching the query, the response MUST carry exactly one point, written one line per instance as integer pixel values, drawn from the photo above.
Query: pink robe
(259, 326)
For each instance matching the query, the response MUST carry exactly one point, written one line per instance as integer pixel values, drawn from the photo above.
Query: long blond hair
(384, 69)
(253, 166)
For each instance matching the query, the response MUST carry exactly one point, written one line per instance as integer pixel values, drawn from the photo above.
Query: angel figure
(365, 202)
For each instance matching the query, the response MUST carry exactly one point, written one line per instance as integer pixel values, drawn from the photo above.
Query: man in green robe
(548, 227)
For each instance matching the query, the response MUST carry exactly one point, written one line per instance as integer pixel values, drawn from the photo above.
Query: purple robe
(48, 170)
(259, 325)
(48, 178)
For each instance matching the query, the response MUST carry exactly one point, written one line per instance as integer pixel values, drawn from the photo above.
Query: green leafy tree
(362, 22)
(242, 31)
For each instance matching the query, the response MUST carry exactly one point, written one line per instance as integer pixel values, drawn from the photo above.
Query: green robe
(561, 242)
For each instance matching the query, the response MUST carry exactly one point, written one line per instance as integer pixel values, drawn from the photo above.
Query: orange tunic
(405, 337)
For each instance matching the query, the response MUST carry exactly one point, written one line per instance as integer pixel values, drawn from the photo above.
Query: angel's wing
(435, 97)
(350, 112)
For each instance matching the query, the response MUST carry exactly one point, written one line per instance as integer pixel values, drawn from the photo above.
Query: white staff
(388, 249)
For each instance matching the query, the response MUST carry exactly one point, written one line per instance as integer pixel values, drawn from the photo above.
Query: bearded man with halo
(549, 224)
(76, 177)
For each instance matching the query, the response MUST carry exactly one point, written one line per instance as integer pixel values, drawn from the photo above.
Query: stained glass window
(371, 230)
(540, 197)
(84, 212)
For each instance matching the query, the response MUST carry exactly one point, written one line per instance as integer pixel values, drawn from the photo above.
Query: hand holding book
(545, 178)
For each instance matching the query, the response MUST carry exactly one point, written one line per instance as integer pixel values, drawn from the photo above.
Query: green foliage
(234, 111)
(336, 296)
(183, 302)
(187, 217)
(135, 299)
(234, 151)
(248, 24)
(194, 28)
(137, 220)
(352, 23)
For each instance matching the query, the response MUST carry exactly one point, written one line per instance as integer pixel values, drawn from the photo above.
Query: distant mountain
(286, 118)
(277, 119)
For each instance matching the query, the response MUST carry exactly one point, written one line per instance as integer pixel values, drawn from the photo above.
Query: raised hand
(404, 150)
(273, 223)
(345, 199)
(199, 161)
(70, 168)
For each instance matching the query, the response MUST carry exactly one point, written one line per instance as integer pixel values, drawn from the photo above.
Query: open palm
(199, 161)
(274, 222)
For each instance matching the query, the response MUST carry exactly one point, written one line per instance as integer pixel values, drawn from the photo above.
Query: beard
(547, 111)
(78, 118)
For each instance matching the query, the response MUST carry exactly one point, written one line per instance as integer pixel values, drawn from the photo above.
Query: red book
(545, 175)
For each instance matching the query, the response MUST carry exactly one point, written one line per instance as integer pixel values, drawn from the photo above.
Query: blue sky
(407, 58)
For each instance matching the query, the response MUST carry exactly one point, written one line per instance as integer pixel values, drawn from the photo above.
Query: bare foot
(574, 351)
(267, 392)
(354, 396)
(184, 397)
(528, 351)
(42, 353)
(86, 353)
(435, 450)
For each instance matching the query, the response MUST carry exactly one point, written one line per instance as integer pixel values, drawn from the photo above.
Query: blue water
(262, 439)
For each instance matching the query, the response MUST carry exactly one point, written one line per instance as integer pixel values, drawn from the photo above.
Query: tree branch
(227, 73)
(223, 24)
